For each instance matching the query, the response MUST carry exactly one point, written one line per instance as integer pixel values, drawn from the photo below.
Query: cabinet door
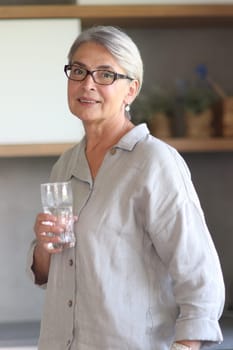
(33, 106)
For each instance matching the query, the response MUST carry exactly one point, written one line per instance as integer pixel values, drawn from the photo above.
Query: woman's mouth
(87, 101)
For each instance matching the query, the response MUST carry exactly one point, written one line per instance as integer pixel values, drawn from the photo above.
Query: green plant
(161, 101)
(197, 99)
(147, 105)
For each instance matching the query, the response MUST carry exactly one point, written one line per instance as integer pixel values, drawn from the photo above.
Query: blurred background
(179, 62)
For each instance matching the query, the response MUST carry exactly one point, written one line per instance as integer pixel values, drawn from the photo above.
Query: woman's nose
(89, 81)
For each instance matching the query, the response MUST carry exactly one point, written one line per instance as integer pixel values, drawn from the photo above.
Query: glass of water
(57, 199)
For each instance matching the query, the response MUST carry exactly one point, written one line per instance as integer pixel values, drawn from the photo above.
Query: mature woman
(144, 273)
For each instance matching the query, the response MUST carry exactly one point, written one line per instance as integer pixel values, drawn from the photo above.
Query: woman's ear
(132, 92)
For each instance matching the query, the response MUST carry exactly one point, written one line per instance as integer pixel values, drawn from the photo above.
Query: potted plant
(156, 109)
(161, 121)
(198, 103)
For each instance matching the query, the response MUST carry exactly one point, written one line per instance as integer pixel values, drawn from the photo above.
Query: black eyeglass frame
(116, 76)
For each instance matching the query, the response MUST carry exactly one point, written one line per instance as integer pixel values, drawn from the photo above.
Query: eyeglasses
(100, 76)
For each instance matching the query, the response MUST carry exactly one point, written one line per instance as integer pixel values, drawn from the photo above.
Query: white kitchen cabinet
(33, 108)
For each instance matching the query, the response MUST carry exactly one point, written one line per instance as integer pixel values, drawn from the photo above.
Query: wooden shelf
(202, 145)
(181, 144)
(33, 150)
(128, 15)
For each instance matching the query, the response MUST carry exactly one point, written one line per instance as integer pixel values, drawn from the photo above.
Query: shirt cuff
(204, 330)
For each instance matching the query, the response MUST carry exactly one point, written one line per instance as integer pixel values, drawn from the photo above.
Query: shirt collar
(79, 165)
(129, 140)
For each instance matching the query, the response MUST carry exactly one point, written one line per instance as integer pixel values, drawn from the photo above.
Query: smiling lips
(84, 100)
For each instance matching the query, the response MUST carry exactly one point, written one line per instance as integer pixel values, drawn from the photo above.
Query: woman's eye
(78, 71)
(107, 75)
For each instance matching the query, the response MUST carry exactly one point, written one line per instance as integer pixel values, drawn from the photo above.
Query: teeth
(86, 101)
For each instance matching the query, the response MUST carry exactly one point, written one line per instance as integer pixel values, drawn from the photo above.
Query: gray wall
(20, 179)
(170, 54)
(212, 174)
(175, 54)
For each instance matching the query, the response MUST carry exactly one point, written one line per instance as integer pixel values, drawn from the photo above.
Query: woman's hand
(47, 232)
(48, 242)
(193, 344)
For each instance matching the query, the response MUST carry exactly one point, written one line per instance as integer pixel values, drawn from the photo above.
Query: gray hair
(120, 46)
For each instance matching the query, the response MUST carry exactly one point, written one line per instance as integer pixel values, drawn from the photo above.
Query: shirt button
(68, 342)
(113, 151)
(70, 303)
(71, 262)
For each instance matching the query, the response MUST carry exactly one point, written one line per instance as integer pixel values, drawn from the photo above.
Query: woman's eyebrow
(104, 66)
(79, 63)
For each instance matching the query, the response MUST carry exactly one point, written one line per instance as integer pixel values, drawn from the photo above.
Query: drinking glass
(57, 199)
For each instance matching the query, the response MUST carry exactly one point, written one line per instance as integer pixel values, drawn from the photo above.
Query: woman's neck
(103, 136)
(100, 139)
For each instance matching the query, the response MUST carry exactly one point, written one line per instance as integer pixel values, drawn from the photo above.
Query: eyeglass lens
(103, 77)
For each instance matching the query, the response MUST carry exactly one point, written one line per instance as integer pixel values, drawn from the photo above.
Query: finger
(45, 217)
(54, 229)
(41, 228)
(53, 248)
(50, 237)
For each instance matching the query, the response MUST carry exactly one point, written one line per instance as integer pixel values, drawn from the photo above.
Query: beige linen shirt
(144, 271)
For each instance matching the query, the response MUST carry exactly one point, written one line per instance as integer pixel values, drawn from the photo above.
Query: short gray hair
(120, 46)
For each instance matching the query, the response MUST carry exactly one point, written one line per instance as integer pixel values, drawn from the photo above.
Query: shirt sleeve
(196, 274)
(178, 229)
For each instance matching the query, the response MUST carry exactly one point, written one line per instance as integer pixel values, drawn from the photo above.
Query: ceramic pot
(160, 125)
(199, 125)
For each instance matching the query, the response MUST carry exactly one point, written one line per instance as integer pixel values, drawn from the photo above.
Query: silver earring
(127, 108)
